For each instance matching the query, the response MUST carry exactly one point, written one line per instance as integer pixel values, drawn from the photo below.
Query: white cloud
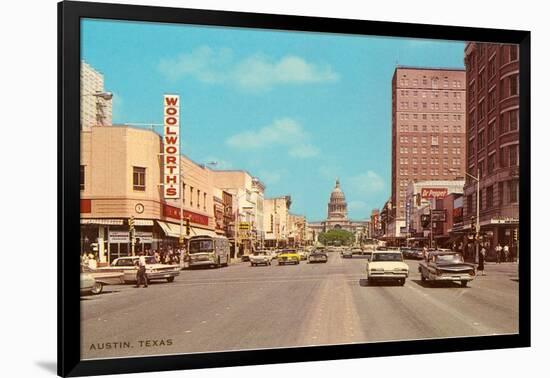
(304, 151)
(281, 132)
(256, 72)
(367, 183)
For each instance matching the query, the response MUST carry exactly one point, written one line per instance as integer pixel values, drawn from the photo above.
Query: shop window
(139, 178)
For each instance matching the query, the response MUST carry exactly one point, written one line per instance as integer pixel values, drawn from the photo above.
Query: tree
(336, 237)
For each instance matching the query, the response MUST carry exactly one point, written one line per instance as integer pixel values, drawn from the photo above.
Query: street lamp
(476, 178)
(107, 96)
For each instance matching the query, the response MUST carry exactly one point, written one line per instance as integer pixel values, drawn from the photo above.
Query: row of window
(511, 55)
(432, 171)
(138, 184)
(508, 121)
(434, 82)
(434, 139)
(433, 128)
(433, 150)
(509, 86)
(508, 156)
(433, 105)
(487, 196)
(433, 161)
(433, 117)
(433, 94)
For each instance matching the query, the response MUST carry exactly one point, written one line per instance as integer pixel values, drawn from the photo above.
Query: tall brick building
(492, 74)
(428, 131)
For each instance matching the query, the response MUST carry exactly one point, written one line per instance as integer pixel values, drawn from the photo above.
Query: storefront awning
(144, 222)
(173, 230)
(104, 221)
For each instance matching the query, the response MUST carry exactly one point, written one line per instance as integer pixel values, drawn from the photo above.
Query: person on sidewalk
(506, 251)
(498, 250)
(141, 276)
(481, 263)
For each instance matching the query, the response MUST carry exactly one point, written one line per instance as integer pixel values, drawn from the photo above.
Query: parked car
(153, 270)
(446, 266)
(260, 258)
(245, 258)
(87, 283)
(387, 265)
(318, 255)
(347, 253)
(288, 256)
(102, 278)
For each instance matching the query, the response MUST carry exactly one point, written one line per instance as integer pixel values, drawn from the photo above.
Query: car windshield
(198, 246)
(259, 253)
(387, 257)
(451, 258)
(125, 262)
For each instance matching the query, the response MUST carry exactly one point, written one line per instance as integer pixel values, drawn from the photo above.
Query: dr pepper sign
(171, 146)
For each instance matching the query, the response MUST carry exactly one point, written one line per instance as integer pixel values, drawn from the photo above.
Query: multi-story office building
(95, 108)
(492, 72)
(428, 131)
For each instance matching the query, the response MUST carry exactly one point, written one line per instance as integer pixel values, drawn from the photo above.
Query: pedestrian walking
(141, 276)
(481, 263)
(506, 251)
(498, 250)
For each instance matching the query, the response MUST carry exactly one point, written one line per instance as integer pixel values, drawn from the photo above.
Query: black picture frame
(69, 16)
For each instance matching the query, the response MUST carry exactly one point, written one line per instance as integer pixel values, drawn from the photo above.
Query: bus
(212, 251)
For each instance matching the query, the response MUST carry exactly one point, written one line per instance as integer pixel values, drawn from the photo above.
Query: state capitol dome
(337, 206)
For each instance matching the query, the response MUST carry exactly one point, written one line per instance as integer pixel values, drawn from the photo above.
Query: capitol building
(337, 216)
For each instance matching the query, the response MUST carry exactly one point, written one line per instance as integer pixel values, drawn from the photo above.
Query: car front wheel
(170, 279)
(402, 282)
(464, 283)
(97, 288)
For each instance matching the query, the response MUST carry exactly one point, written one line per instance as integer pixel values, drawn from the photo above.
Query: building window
(481, 80)
(480, 140)
(502, 158)
(139, 178)
(513, 53)
(513, 80)
(491, 132)
(503, 123)
(191, 195)
(500, 193)
(481, 110)
(204, 201)
(513, 150)
(492, 67)
(183, 191)
(492, 100)
(82, 177)
(491, 164)
(514, 115)
(513, 188)
(489, 197)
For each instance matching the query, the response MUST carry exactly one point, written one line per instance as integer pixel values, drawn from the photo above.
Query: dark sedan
(317, 256)
(446, 266)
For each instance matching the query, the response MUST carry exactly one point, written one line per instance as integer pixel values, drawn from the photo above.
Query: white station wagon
(387, 265)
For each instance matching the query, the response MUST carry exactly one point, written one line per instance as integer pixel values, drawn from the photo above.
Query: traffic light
(515, 234)
(187, 227)
(425, 220)
(473, 223)
(131, 224)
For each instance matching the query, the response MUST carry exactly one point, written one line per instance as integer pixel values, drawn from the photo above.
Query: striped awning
(173, 230)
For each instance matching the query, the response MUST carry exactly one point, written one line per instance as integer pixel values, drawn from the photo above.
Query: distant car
(356, 251)
(347, 253)
(387, 266)
(87, 283)
(153, 270)
(303, 254)
(446, 266)
(288, 256)
(102, 278)
(245, 258)
(260, 258)
(317, 255)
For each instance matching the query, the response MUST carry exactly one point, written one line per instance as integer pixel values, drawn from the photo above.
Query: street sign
(119, 237)
(244, 226)
(439, 216)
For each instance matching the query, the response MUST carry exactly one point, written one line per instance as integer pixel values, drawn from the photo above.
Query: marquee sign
(171, 141)
(433, 192)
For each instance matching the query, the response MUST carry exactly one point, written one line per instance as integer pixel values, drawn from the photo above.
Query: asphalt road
(244, 307)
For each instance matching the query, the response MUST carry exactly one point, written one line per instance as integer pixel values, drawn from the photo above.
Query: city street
(243, 307)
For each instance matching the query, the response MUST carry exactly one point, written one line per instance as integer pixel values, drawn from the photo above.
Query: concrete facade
(94, 110)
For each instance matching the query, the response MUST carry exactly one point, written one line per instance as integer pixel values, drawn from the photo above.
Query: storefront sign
(119, 237)
(244, 226)
(439, 216)
(85, 206)
(171, 141)
(504, 220)
(433, 192)
(174, 212)
(144, 236)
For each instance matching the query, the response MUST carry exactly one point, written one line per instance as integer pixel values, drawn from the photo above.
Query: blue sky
(295, 109)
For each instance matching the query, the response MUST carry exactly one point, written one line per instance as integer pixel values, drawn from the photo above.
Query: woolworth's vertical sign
(171, 146)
